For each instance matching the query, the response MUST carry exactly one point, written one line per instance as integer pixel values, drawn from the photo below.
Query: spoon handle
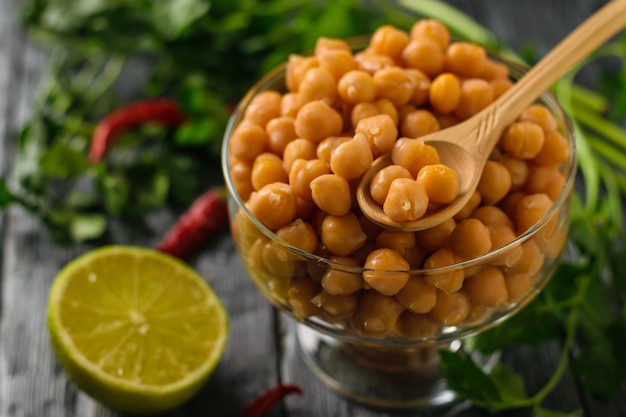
(592, 33)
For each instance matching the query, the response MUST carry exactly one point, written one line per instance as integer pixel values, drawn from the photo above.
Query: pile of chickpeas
(299, 152)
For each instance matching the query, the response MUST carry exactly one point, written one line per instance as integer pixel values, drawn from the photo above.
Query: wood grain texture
(261, 349)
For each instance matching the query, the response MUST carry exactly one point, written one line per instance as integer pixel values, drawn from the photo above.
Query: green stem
(603, 127)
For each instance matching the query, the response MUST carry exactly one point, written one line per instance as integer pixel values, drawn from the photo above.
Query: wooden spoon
(465, 147)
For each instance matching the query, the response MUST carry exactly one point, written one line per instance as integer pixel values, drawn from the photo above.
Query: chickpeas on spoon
(466, 147)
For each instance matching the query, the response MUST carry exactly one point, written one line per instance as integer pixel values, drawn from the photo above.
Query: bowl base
(387, 378)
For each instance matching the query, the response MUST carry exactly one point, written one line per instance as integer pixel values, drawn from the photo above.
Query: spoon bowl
(467, 146)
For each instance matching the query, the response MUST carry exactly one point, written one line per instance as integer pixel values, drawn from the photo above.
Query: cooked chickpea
(435, 237)
(247, 141)
(470, 238)
(327, 146)
(371, 62)
(445, 92)
(449, 281)
(417, 123)
(318, 85)
(336, 304)
(500, 86)
(376, 312)
(425, 55)
(352, 158)
(363, 110)
(531, 261)
(441, 183)
(299, 296)
(502, 234)
(381, 181)
(381, 132)
(417, 296)
(545, 179)
(413, 154)
(522, 140)
(337, 280)
(297, 67)
(422, 86)
(356, 86)
(241, 174)
(450, 309)
(280, 131)
(518, 285)
(469, 207)
(342, 235)
(530, 209)
(337, 62)
(303, 172)
(316, 120)
(325, 45)
(518, 169)
(489, 215)
(299, 234)
(274, 205)
(416, 326)
(467, 60)
(398, 240)
(554, 151)
(290, 105)
(331, 193)
(495, 182)
(386, 271)
(476, 94)
(406, 200)
(495, 71)
(388, 40)
(298, 149)
(539, 114)
(486, 287)
(394, 84)
(431, 29)
(263, 107)
(267, 168)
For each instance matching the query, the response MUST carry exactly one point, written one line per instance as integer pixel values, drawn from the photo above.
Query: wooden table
(261, 350)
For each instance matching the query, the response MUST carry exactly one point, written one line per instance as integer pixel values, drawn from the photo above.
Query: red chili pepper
(206, 215)
(260, 405)
(159, 110)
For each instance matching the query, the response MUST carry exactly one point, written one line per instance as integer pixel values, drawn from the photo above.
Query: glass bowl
(382, 350)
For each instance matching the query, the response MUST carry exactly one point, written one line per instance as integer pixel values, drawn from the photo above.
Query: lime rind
(119, 393)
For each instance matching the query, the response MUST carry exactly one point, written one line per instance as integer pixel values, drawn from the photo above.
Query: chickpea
(406, 200)
(522, 140)
(502, 234)
(267, 168)
(337, 62)
(495, 182)
(413, 154)
(290, 105)
(386, 106)
(363, 110)
(518, 285)
(303, 173)
(386, 271)
(327, 146)
(476, 94)
(487, 287)
(530, 209)
(450, 309)
(415, 255)
(324, 45)
(518, 169)
(247, 141)
(539, 114)
(500, 86)
(489, 215)
(274, 205)
(531, 261)
(372, 63)
(509, 203)
(241, 174)
(422, 86)
(441, 183)
(379, 186)
(465, 59)
(436, 237)
(469, 207)
(376, 313)
(554, 151)
(381, 133)
(417, 296)
(298, 149)
(388, 40)
(318, 85)
(297, 67)
(342, 235)
(299, 234)
(398, 240)
(336, 304)
(425, 55)
(495, 71)
(418, 123)
(277, 264)
(431, 29)
(299, 296)
(331, 193)
(394, 84)
(352, 158)
(470, 238)
(316, 120)
(356, 86)
(337, 280)
(416, 326)
(280, 131)
(263, 107)
(545, 179)
(304, 208)
(451, 281)
(445, 92)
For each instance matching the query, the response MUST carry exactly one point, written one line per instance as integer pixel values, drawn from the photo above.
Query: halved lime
(136, 329)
